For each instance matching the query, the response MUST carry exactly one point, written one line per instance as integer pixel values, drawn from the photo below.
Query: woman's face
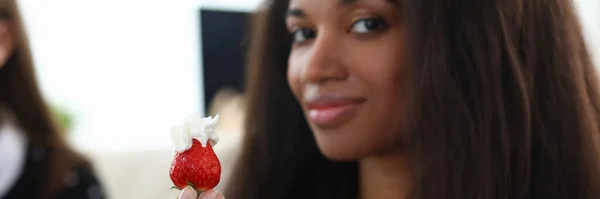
(344, 69)
(6, 43)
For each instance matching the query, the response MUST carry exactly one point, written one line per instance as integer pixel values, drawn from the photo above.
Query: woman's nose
(325, 61)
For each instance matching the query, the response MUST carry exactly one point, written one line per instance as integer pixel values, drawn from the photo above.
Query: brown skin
(336, 51)
(385, 176)
(6, 42)
(341, 55)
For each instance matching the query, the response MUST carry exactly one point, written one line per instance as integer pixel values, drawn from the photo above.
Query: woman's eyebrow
(295, 12)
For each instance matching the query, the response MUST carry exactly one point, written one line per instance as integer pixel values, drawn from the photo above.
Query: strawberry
(198, 167)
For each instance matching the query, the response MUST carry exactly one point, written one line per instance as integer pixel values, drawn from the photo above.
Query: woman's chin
(341, 150)
(351, 142)
(340, 157)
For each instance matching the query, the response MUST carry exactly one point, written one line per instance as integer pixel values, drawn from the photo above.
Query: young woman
(35, 161)
(419, 99)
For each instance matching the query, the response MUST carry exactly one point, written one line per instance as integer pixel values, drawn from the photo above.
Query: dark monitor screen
(223, 36)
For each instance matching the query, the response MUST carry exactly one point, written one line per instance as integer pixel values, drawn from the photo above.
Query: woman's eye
(368, 25)
(303, 34)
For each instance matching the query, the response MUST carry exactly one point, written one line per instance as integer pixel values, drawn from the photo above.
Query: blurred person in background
(35, 160)
(419, 99)
(228, 103)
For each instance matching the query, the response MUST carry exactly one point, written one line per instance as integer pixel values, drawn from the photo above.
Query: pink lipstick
(331, 110)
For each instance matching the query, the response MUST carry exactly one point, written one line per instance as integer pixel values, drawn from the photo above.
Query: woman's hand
(189, 193)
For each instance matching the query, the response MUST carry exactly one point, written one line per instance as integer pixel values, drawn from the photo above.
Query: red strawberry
(198, 167)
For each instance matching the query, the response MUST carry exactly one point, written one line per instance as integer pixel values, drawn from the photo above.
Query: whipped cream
(195, 127)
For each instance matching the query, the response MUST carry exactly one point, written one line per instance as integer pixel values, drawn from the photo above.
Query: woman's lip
(331, 101)
(329, 111)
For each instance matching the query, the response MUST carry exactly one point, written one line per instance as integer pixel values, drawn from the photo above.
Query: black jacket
(80, 183)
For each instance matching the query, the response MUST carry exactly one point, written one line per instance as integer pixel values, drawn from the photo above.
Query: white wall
(236, 5)
(129, 69)
(590, 17)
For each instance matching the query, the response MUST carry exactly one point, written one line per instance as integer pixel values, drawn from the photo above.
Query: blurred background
(120, 73)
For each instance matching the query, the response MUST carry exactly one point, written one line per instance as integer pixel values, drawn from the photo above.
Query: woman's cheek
(294, 74)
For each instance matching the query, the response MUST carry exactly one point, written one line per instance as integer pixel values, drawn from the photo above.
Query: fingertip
(220, 196)
(211, 194)
(188, 193)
